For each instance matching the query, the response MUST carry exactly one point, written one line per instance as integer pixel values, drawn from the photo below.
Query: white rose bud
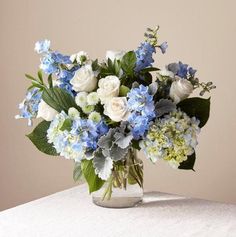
(84, 79)
(46, 112)
(180, 89)
(108, 87)
(118, 55)
(117, 109)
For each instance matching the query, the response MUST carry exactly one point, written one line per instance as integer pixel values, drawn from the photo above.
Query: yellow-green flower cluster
(172, 138)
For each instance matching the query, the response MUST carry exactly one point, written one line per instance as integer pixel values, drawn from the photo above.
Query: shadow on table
(155, 199)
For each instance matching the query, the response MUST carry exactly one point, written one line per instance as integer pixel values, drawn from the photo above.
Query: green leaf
(59, 99)
(40, 76)
(95, 65)
(189, 163)
(77, 172)
(30, 77)
(50, 81)
(94, 182)
(149, 69)
(198, 107)
(39, 138)
(124, 90)
(66, 125)
(128, 63)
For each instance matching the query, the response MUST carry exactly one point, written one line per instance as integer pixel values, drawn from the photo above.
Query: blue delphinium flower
(144, 56)
(182, 70)
(42, 46)
(141, 101)
(163, 47)
(60, 58)
(29, 106)
(48, 64)
(141, 107)
(192, 71)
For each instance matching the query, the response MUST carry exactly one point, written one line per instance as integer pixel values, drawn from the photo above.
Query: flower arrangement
(96, 112)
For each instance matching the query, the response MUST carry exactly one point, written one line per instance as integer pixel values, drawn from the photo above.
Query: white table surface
(72, 214)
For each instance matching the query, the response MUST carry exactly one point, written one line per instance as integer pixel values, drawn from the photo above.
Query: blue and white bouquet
(96, 112)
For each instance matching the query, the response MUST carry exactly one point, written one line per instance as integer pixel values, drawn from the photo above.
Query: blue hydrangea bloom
(141, 106)
(29, 106)
(144, 56)
(163, 47)
(64, 77)
(89, 131)
(42, 46)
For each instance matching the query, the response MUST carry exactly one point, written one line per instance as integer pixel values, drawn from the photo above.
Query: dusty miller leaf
(102, 165)
(164, 106)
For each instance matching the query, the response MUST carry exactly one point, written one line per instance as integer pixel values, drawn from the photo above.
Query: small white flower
(118, 55)
(84, 79)
(95, 117)
(73, 112)
(87, 109)
(80, 57)
(108, 87)
(92, 98)
(166, 73)
(180, 89)
(45, 111)
(81, 99)
(117, 109)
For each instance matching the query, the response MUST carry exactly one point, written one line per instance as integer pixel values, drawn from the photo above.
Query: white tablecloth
(71, 214)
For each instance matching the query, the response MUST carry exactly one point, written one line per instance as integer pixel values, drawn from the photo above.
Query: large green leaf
(94, 182)
(58, 99)
(128, 62)
(189, 163)
(39, 138)
(198, 107)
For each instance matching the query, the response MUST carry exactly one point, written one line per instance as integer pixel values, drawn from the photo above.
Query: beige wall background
(201, 33)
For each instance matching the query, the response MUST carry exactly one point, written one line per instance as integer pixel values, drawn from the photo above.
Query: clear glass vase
(124, 188)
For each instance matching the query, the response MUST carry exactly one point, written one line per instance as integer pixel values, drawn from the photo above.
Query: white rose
(117, 109)
(180, 89)
(118, 55)
(84, 79)
(108, 87)
(46, 112)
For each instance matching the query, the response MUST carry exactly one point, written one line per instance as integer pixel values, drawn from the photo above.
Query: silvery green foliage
(164, 106)
(123, 141)
(115, 143)
(152, 88)
(102, 164)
